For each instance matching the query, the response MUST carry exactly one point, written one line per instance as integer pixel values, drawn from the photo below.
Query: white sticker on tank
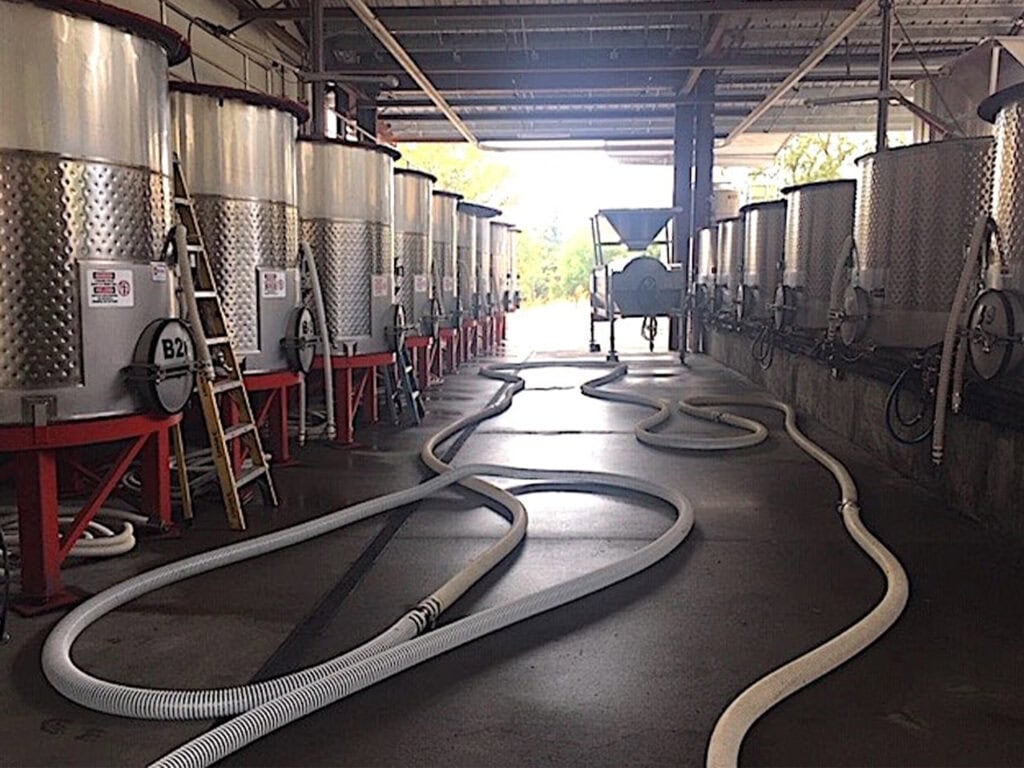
(273, 284)
(380, 286)
(158, 271)
(110, 288)
(448, 283)
(419, 283)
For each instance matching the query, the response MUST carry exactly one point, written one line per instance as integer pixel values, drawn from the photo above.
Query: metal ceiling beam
(719, 24)
(835, 37)
(548, 116)
(563, 10)
(538, 82)
(642, 61)
(574, 100)
(362, 10)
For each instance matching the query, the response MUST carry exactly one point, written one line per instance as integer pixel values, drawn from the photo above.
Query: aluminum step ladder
(220, 373)
(402, 390)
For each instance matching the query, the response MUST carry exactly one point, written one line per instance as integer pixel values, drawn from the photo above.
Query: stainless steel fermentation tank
(465, 242)
(996, 320)
(346, 212)
(513, 269)
(85, 207)
(501, 264)
(819, 219)
(413, 256)
(764, 243)
(915, 209)
(483, 300)
(703, 287)
(237, 150)
(729, 266)
(444, 228)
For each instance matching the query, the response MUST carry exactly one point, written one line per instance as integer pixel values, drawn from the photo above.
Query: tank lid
(414, 172)
(928, 145)
(502, 224)
(176, 46)
(254, 98)
(480, 211)
(812, 184)
(446, 193)
(763, 204)
(993, 105)
(394, 154)
(729, 220)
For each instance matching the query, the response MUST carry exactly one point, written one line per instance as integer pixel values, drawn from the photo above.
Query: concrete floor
(636, 675)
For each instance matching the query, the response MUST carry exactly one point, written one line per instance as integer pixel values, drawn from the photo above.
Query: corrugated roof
(608, 68)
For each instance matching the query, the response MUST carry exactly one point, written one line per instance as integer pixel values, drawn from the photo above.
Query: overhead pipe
(824, 49)
(362, 10)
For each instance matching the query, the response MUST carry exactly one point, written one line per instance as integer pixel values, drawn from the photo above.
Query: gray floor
(633, 676)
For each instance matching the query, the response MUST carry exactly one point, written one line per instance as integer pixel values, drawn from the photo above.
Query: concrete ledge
(983, 475)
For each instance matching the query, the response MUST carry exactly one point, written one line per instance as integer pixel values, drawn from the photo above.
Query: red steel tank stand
(423, 353)
(470, 340)
(448, 355)
(36, 449)
(276, 388)
(485, 343)
(355, 386)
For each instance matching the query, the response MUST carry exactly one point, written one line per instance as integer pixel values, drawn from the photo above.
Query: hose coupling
(846, 505)
(425, 614)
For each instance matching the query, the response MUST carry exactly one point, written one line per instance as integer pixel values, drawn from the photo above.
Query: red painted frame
(448, 355)
(423, 353)
(36, 453)
(355, 386)
(274, 409)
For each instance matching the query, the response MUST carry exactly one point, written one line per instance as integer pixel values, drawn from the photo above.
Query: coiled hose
(271, 704)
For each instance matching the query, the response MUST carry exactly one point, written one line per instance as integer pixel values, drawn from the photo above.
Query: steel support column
(316, 49)
(884, 70)
(682, 198)
(704, 152)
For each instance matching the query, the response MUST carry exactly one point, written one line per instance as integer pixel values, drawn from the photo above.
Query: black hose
(763, 348)
(649, 331)
(893, 412)
(5, 564)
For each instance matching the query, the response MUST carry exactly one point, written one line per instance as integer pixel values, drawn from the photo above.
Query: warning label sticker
(419, 283)
(158, 271)
(272, 284)
(380, 286)
(448, 284)
(110, 287)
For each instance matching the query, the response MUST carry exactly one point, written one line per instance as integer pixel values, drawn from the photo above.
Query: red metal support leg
(39, 531)
(156, 478)
(279, 425)
(423, 361)
(344, 412)
(370, 394)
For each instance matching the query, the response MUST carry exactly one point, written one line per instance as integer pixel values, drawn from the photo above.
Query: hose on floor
(761, 696)
(269, 705)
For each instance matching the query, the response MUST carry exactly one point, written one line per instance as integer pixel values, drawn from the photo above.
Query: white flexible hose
(755, 701)
(271, 704)
(97, 541)
(971, 266)
(130, 701)
(325, 336)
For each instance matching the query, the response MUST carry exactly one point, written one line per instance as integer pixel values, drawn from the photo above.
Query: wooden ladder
(220, 373)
